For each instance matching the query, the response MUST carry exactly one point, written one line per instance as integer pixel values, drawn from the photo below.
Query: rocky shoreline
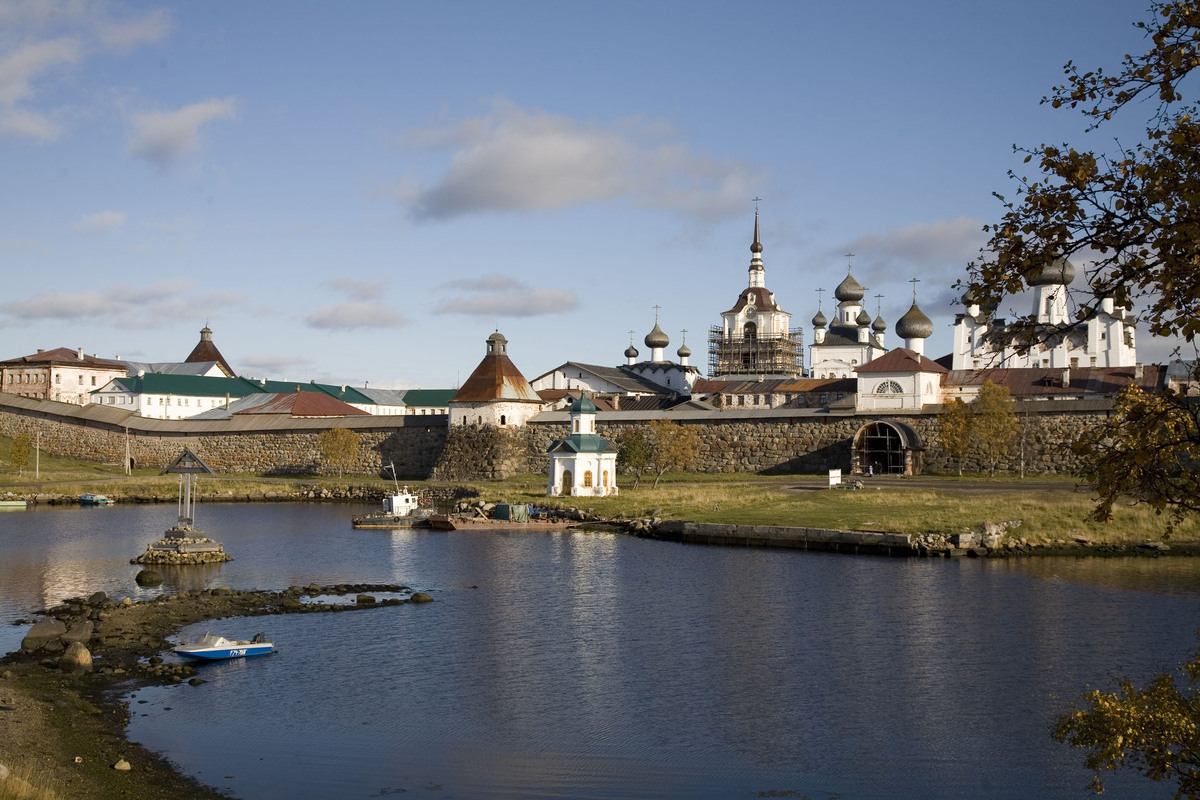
(61, 713)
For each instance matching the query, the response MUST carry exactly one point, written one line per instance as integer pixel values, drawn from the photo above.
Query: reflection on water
(583, 665)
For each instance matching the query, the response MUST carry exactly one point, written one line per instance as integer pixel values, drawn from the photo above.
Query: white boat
(400, 510)
(212, 647)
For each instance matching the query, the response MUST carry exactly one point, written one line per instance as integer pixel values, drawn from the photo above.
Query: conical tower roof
(205, 351)
(496, 378)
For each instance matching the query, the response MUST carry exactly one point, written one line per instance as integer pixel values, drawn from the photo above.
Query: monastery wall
(413, 448)
(771, 444)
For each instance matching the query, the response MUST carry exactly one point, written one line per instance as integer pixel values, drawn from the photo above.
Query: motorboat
(94, 500)
(211, 647)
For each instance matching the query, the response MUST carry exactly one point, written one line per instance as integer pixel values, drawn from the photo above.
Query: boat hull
(389, 521)
(240, 650)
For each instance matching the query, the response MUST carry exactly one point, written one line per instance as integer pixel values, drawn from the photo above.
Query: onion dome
(656, 338)
(1059, 273)
(879, 326)
(684, 351)
(819, 320)
(914, 324)
(631, 352)
(863, 319)
(849, 289)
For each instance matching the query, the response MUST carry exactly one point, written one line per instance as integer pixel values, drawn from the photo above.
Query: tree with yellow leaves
(1153, 730)
(1148, 450)
(339, 446)
(675, 447)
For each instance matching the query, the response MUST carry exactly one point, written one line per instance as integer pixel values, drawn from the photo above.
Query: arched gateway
(887, 447)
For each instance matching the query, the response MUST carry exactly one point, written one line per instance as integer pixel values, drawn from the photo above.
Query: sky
(362, 192)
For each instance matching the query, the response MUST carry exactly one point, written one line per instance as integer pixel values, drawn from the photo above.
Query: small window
(587, 477)
(502, 419)
(604, 478)
(888, 387)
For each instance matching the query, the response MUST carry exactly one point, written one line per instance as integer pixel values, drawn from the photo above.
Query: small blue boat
(94, 500)
(211, 647)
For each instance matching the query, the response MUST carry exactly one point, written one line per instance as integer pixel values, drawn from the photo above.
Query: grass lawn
(1051, 510)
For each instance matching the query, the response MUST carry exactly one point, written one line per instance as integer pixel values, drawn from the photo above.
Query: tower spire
(757, 273)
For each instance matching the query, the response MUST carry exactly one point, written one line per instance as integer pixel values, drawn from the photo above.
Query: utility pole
(37, 456)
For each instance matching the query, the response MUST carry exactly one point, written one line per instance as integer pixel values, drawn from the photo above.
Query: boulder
(148, 577)
(97, 599)
(42, 633)
(365, 600)
(77, 659)
(421, 597)
(122, 765)
(79, 632)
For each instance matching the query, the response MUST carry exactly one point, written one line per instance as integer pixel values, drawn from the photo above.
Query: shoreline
(66, 731)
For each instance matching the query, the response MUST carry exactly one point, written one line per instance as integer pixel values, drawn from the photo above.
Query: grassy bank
(1049, 508)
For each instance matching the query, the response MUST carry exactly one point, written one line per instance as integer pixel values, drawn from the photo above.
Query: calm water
(587, 665)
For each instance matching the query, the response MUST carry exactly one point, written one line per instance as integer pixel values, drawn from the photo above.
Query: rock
(77, 659)
(365, 600)
(421, 597)
(98, 599)
(148, 577)
(79, 632)
(127, 602)
(122, 765)
(195, 681)
(222, 591)
(42, 633)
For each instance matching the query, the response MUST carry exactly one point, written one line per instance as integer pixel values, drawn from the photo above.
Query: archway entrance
(887, 448)
(568, 482)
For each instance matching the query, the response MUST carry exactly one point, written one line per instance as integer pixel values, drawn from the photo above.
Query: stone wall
(414, 449)
(776, 444)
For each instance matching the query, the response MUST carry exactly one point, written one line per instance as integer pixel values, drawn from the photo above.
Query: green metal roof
(431, 398)
(188, 385)
(582, 443)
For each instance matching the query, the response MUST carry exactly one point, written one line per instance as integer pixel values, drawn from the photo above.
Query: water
(589, 665)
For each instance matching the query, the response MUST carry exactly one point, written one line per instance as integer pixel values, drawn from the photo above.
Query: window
(587, 477)
(888, 387)
(81, 380)
(93, 380)
(576, 426)
(604, 478)
(502, 419)
(58, 379)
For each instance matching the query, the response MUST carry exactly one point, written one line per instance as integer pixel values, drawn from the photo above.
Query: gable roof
(429, 398)
(620, 377)
(1042, 382)
(305, 404)
(65, 356)
(901, 360)
(187, 385)
(841, 335)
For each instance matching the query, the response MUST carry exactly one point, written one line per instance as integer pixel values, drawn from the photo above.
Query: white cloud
(272, 363)
(18, 70)
(355, 289)
(354, 316)
(144, 306)
(500, 296)
(955, 241)
(124, 35)
(517, 160)
(100, 222)
(38, 37)
(163, 137)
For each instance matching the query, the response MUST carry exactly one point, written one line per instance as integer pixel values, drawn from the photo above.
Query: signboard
(835, 477)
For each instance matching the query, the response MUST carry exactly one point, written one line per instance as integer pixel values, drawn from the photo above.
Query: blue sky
(364, 191)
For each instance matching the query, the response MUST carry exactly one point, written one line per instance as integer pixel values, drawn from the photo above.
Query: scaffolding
(777, 354)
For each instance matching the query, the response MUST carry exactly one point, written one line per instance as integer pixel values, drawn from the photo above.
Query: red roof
(305, 404)
(64, 355)
(901, 360)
